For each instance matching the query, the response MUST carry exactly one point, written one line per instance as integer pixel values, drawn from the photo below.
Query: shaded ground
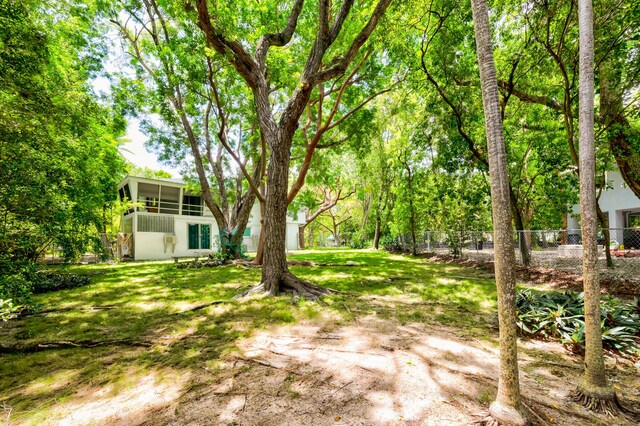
(379, 372)
(411, 344)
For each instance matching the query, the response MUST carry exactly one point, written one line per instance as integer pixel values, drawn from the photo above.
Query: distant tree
(58, 146)
(147, 172)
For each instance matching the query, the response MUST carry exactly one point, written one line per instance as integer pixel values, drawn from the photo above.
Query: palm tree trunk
(594, 391)
(507, 408)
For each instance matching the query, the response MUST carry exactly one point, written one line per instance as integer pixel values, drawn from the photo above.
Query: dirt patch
(129, 403)
(378, 372)
(611, 282)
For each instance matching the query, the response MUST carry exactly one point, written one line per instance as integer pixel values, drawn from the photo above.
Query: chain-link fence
(557, 249)
(566, 242)
(328, 240)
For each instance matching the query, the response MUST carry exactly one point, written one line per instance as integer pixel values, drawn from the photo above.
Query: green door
(205, 237)
(193, 236)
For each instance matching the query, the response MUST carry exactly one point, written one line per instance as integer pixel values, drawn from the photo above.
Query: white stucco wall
(292, 236)
(251, 242)
(615, 201)
(150, 245)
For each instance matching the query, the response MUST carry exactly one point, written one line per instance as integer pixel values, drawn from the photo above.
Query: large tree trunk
(507, 408)
(276, 277)
(274, 267)
(278, 132)
(594, 391)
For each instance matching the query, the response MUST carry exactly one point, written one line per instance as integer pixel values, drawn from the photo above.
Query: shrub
(15, 287)
(360, 243)
(45, 282)
(392, 245)
(561, 316)
(8, 310)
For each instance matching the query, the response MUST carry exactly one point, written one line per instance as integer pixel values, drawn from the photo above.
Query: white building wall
(292, 236)
(615, 201)
(150, 245)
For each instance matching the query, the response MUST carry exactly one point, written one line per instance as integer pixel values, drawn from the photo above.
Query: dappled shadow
(402, 345)
(371, 372)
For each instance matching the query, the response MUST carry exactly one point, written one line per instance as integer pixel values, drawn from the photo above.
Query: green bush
(45, 282)
(360, 243)
(16, 287)
(392, 244)
(561, 316)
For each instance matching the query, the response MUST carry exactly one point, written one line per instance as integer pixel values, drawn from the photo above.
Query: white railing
(169, 207)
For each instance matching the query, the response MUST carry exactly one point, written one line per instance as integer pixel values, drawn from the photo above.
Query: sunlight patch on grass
(51, 383)
(152, 302)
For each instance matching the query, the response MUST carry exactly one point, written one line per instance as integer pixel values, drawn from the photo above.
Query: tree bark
(376, 235)
(301, 242)
(604, 224)
(507, 408)
(594, 391)
(274, 266)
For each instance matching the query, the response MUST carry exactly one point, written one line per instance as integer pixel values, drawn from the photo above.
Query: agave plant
(560, 315)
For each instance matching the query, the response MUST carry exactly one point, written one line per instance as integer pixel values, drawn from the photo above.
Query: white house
(621, 206)
(168, 221)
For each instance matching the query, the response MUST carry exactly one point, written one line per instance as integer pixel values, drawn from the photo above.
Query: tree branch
(278, 39)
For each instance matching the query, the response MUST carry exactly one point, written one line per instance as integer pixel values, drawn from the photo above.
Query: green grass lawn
(152, 303)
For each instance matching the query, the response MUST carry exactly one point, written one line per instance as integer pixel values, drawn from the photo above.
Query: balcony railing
(168, 207)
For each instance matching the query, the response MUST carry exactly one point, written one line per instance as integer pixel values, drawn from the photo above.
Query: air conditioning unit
(170, 239)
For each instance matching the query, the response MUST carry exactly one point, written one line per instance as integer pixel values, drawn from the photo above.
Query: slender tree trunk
(604, 224)
(594, 391)
(301, 242)
(520, 228)
(376, 235)
(507, 408)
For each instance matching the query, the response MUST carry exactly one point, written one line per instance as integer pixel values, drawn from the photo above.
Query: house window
(152, 223)
(199, 236)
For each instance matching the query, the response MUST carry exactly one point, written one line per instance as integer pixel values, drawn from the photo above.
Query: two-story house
(168, 221)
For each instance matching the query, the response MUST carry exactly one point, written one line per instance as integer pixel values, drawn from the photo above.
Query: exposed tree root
(289, 284)
(485, 419)
(84, 344)
(501, 414)
(606, 403)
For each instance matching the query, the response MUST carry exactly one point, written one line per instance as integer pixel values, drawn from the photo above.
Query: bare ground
(378, 372)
